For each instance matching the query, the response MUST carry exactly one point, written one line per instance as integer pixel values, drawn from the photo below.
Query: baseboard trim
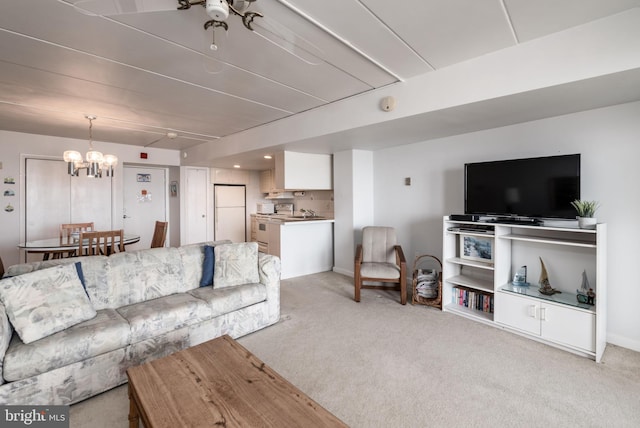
(343, 271)
(623, 342)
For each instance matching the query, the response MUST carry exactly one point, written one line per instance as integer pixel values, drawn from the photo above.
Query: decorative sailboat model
(545, 286)
(585, 293)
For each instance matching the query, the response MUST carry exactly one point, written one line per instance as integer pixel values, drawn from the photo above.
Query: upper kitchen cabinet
(267, 182)
(303, 171)
(229, 176)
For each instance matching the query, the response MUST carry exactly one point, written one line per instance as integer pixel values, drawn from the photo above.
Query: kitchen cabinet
(229, 176)
(303, 171)
(305, 247)
(267, 183)
(254, 228)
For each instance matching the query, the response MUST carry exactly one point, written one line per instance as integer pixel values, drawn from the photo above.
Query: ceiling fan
(219, 12)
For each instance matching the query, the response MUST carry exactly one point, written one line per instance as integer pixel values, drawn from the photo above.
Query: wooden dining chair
(66, 237)
(98, 243)
(159, 234)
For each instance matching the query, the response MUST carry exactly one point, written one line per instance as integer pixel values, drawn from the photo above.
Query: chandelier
(95, 162)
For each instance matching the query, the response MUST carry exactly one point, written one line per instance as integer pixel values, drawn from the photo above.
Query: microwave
(265, 208)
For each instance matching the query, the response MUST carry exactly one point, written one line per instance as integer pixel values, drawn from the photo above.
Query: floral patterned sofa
(70, 328)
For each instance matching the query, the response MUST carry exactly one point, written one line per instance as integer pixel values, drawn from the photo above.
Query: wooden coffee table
(218, 383)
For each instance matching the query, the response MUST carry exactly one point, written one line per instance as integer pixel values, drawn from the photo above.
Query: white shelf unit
(558, 320)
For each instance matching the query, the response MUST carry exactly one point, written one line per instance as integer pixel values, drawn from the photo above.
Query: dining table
(59, 246)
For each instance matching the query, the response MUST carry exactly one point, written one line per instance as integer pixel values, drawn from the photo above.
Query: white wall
(14, 145)
(607, 138)
(353, 177)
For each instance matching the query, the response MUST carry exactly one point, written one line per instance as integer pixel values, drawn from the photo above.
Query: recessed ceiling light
(236, 166)
(268, 157)
(172, 135)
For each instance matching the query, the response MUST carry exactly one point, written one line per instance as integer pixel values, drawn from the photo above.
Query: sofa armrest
(269, 271)
(6, 331)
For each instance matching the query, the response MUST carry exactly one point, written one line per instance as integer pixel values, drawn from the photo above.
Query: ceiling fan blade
(285, 39)
(121, 7)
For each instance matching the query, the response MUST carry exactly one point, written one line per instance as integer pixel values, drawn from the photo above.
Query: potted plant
(586, 213)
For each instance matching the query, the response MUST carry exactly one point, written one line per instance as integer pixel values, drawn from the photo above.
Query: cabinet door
(568, 326)
(229, 176)
(303, 171)
(266, 181)
(254, 229)
(517, 312)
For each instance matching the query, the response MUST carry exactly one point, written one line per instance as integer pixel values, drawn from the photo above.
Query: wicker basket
(427, 275)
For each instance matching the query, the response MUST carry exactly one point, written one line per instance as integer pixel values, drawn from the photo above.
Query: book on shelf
(472, 299)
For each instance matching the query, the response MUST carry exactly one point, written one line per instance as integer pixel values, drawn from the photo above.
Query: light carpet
(380, 364)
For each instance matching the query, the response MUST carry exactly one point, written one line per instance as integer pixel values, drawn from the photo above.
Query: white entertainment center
(480, 286)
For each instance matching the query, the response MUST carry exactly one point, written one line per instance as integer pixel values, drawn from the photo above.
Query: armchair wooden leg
(356, 286)
(403, 285)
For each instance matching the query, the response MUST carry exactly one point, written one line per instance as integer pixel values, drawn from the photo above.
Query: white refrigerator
(230, 213)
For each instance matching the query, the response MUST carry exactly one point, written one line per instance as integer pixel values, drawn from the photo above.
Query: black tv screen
(535, 187)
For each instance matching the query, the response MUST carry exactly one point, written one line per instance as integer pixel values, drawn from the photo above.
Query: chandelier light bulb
(94, 156)
(110, 160)
(72, 156)
(213, 47)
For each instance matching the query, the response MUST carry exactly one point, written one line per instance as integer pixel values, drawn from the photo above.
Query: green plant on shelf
(585, 208)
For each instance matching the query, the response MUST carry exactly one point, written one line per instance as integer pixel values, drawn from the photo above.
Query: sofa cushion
(229, 299)
(236, 264)
(379, 270)
(94, 270)
(158, 316)
(46, 301)
(207, 266)
(192, 260)
(136, 276)
(6, 331)
(105, 332)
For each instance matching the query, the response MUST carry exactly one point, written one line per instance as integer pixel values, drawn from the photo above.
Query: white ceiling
(145, 74)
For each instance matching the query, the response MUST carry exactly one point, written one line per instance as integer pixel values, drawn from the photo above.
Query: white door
(145, 202)
(196, 190)
(230, 214)
(48, 203)
(53, 197)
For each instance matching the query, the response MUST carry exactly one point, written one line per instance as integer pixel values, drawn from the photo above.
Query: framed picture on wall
(144, 178)
(173, 188)
(476, 248)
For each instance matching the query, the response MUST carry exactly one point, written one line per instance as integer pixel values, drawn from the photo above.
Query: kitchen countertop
(295, 221)
(284, 219)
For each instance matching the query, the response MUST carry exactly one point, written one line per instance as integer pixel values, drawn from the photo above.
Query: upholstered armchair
(380, 259)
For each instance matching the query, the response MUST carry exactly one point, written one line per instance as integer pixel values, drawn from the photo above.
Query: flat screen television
(535, 187)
